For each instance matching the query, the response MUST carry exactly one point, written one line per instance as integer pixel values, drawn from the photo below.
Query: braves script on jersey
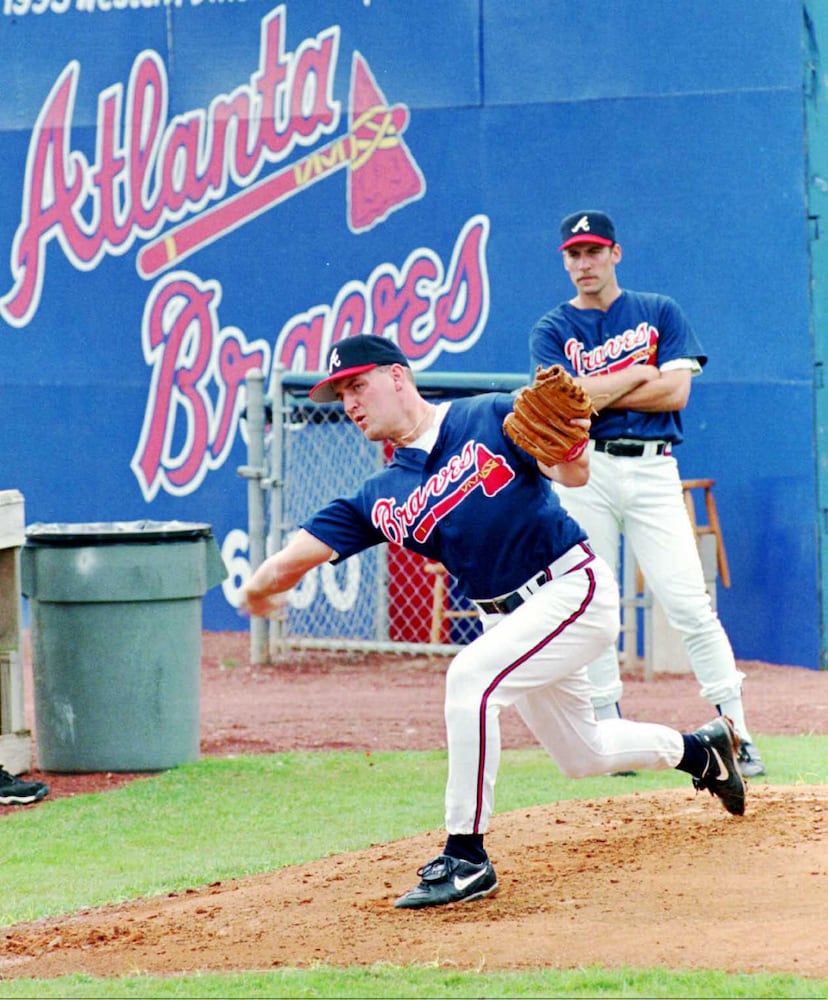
(430, 502)
(638, 328)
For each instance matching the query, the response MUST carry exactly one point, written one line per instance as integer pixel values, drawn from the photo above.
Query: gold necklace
(399, 441)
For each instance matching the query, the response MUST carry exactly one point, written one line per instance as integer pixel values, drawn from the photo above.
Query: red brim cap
(586, 238)
(323, 392)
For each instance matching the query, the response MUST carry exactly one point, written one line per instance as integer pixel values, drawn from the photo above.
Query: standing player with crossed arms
(636, 354)
(460, 491)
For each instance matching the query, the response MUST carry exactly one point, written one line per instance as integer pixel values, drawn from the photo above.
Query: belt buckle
(506, 605)
(509, 603)
(502, 605)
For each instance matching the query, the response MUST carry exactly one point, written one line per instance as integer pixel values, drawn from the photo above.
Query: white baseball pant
(642, 497)
(535, 659)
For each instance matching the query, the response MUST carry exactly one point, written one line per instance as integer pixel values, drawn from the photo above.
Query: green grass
(381, 982)
(184, 828)
(225, 818)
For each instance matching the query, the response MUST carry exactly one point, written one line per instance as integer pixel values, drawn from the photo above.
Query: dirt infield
(630, 880)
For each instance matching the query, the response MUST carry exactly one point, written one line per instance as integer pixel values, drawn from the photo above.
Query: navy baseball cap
(587, 227)
(353, 356)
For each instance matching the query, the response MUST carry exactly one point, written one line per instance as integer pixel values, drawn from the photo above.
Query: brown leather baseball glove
(540, 420)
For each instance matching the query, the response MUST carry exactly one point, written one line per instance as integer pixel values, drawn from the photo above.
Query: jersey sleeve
(682, 364)
(343, 525)
(546, 344)
(677, 339)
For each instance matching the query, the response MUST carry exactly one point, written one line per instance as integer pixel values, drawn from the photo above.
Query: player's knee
(460, 678)
(586, 758)
(583, 767)
(695, 619)
(726, 688)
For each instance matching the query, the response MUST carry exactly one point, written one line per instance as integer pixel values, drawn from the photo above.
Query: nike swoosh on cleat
(462, 883)
(724, 774)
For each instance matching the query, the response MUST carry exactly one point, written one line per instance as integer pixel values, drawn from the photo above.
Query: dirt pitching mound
(650, 879)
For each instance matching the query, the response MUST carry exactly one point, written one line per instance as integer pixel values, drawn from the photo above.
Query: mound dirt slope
(655, 879)
(645, 879)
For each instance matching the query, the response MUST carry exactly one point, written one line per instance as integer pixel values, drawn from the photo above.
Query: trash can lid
(115, 532)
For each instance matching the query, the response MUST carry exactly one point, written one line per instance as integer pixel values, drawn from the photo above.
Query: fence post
(275, 535)
(256, 475)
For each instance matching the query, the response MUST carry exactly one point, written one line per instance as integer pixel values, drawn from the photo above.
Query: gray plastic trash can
(116, 641)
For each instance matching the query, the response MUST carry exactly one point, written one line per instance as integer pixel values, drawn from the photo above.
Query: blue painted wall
(684, 121)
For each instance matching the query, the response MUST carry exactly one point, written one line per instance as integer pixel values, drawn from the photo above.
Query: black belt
(575, 558)
(506, 605)
(629, 449)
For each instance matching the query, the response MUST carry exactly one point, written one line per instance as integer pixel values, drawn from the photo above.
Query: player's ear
(398, 374)
(615, 253)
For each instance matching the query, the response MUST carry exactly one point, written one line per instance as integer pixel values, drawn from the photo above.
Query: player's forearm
(574, 473)
(667, 393)
(274, 576)
(607, 389)
(282, 571)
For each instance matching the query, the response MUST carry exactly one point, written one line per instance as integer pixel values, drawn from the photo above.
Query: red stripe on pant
(505, 673)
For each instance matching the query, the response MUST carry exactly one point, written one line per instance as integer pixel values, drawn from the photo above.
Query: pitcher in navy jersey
(636, 353)
(457, 490)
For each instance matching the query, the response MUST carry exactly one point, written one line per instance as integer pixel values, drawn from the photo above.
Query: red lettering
(147, 102)
(459, 309)
(180, 341)
(195, 394)
(302, 348)
(419, 308)
(108, 168)
(233, 365)
(178, 168)
(403, 307)
(395, 520)
(157, 171)
(350, 316)
(269, 84)
(54, 185)
(629, 346)
(312, 108)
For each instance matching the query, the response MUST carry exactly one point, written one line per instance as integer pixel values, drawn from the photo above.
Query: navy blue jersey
(476, 503)
(638, 328)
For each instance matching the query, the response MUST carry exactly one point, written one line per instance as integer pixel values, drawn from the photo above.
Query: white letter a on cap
(582, 223)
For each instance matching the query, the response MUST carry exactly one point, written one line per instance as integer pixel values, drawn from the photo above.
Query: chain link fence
(301, 455)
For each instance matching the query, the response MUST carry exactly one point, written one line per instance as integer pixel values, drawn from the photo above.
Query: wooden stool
(712, 527)
(439, 612)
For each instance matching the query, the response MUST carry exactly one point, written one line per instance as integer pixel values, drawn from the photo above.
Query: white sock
(735, 711)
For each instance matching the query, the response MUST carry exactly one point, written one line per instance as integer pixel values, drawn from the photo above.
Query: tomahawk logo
(382, 177)
(491, 474)
(151, 170)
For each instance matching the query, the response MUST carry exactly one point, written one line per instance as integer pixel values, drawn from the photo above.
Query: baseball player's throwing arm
(281, 571)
